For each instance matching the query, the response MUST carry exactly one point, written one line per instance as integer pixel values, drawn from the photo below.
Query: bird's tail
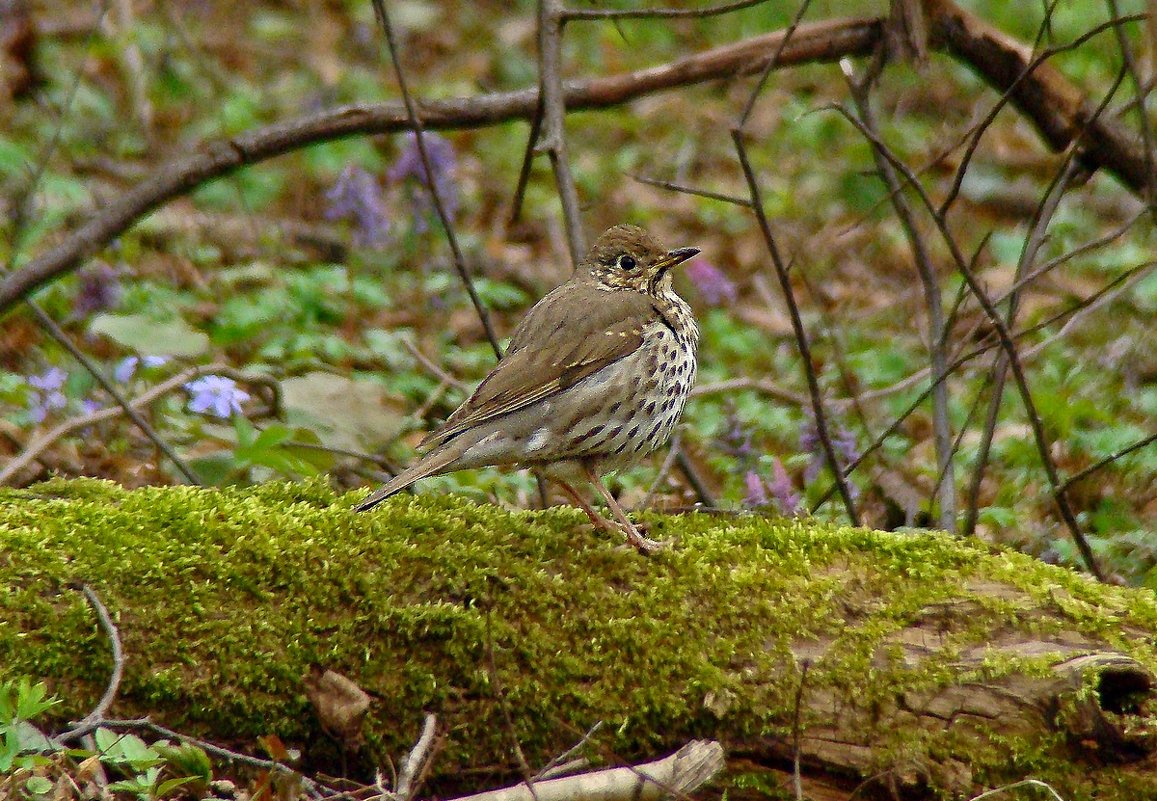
(437, 461)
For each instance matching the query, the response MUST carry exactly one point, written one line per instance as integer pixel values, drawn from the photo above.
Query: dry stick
(1009, 346)
(90, 366)
(415, 124)
(820, 41)
(658, 13)
(678, 774)
(1140, 89)
(797, 778)
(566, 755)
(781, 272)
(1040, 91)
(999, 373)
(1042, 218)
(551, 20)
(1077, 311)
(975, 132)
(801, 336)
(417, 758)
(146, 725)
(945, 489)
(1136, 446)
(500, 696)
(49, 325)
(527, 162)
(772, 63)
(688, 190)
(118, 657)
(132, 407)
(756, 384)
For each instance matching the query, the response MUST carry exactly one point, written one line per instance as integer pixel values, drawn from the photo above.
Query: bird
(595, 377)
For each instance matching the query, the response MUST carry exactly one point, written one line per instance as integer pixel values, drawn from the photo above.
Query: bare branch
(657, 13)
(687, 190)
(1108, 460)
(416, 760)
(415, 124)
(945, 489)
(551, 19)
(690, 767)
(118, 657)
(801, 336)
(821, 41)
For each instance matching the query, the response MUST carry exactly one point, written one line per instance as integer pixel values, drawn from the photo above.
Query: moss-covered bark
(942, 664)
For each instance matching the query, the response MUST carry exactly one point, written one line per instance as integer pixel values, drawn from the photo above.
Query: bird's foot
(642, 543)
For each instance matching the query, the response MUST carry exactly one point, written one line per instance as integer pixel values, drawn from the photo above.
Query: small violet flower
(715, 287)
(843, 443)
(46, 396)
(781, 488)
(216, 395)
(99, 289)
(756, 491)
(443, 165)
(356, 196)
(127, 367)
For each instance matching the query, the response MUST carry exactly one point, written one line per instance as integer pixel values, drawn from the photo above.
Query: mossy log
(930, 667)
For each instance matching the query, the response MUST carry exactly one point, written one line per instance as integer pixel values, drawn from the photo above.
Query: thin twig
(801, 336)
(1009, 346)
(432, 185)
(761, 385)
(691, 473)
(1108, 460)
(771, 64)
(657, 13)
(66, 427)
(945, 489)
(688, 190)
(527, 163)
(416, 760)
(551, 20)
(118, 657)
(1130, 63)
(566, 755)
(797, 779)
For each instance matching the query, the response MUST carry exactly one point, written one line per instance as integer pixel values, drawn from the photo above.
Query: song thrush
(595, 377)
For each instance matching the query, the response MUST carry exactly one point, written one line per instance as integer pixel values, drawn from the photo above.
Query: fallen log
(910, 663)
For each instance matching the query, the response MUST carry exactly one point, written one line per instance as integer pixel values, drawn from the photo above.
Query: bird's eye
(627, 262)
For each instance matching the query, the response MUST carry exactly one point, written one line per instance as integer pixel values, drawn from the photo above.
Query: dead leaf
(340, 704)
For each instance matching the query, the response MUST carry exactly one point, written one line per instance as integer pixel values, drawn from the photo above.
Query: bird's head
(627, 257)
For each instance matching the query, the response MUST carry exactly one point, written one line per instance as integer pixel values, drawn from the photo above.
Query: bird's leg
(580, 502)
(644, 545)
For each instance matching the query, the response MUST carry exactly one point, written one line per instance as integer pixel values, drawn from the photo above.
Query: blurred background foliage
(325, 270)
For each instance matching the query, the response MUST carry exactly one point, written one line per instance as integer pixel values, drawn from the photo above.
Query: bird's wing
(557, 345)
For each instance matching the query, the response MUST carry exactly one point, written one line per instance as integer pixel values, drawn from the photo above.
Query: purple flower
(127, 367)
(715, 287)
(356, 196)
(786, 498)
(46, 395)
(779, 489)
(843, 443)
(90, 405)
(216, 395)
(736, 440)
(99, 289)
(443, 165)
(756, 491)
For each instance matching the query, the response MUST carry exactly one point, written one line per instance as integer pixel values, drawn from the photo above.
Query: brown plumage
(595, 377)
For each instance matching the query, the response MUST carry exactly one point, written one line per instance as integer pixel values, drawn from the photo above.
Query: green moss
(224, 598)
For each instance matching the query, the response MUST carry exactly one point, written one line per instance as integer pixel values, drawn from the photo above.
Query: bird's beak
(677, 256)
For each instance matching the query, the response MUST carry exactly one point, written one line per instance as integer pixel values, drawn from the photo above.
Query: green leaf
(344, 412)
(149, 337)
(38, 785)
